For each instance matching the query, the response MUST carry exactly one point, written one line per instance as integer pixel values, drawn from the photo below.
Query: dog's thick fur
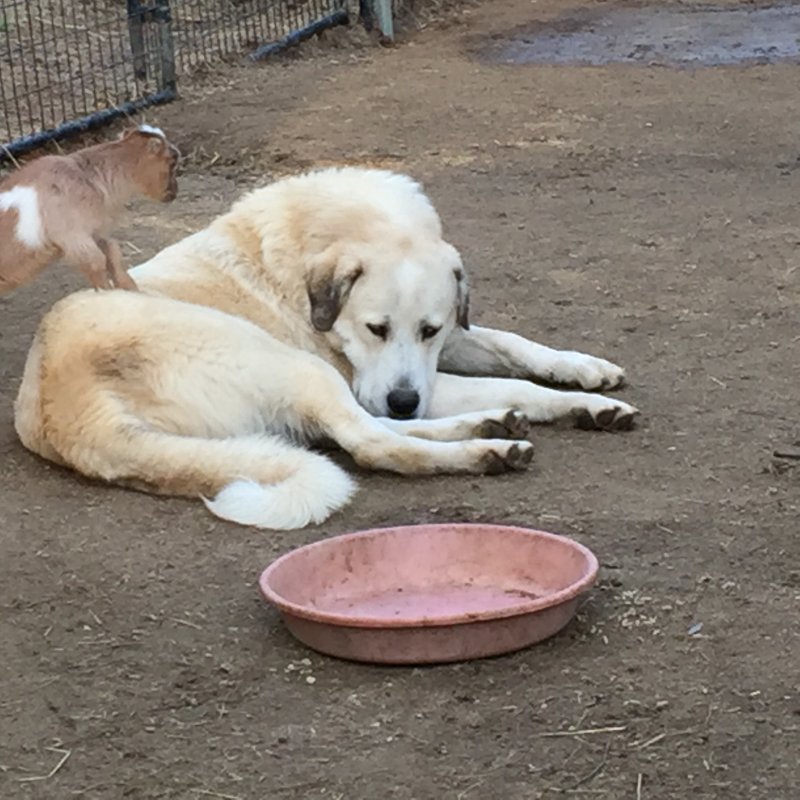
(318, 307)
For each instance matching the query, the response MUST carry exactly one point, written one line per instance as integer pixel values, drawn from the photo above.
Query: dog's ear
(462, 299)
(328, 284)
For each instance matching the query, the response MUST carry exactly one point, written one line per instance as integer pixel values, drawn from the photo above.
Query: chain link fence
(69, 65)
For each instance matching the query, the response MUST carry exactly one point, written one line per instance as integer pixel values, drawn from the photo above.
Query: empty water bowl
(429, 593)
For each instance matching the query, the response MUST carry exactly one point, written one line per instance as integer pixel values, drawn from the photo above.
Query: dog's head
(389, 306)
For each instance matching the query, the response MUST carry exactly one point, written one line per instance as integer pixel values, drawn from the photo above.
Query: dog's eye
(429, 331)
(381, 331)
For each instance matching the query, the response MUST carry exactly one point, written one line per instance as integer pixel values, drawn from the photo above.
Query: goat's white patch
(152, 131)
(25, 201)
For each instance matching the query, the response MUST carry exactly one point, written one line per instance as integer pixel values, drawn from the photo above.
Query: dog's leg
(453, 394)
(332, 410)
(501, 423)
(492, 353)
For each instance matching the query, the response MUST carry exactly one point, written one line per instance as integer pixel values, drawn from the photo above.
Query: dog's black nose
(402, 402)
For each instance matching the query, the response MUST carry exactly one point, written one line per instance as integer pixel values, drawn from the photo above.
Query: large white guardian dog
(325, 306)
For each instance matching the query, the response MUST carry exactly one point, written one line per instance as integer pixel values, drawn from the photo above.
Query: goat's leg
(86, 257)
(12, 276)
(114, 265)
(19, 264)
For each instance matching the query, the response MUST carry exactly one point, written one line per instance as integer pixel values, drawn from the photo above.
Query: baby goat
(63, 207)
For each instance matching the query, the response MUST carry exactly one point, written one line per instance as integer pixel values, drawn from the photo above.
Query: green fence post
(383, 13)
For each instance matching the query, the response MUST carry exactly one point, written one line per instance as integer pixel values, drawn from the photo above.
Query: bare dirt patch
(645, 214)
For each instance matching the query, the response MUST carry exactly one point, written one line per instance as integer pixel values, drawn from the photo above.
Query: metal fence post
(383, 13)
(166, 47)
(136, 35)
(365, 12)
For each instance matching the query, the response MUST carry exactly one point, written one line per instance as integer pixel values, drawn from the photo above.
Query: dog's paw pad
(515, 457)
(514, 425)
(586, 372)
(618, 418)
(584, 420)
(520, 455)
(613, 380)
(492, 464)
(517, 425)
(624, 421)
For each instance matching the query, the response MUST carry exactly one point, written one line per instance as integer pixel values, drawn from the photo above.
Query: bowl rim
(343, 620)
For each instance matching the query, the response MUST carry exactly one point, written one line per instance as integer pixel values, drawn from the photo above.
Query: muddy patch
(702, 36)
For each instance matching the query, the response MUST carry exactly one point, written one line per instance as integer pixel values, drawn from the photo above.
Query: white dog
(326, 305)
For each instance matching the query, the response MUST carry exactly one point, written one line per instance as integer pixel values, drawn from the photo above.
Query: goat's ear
(462, 299)
(329, 281)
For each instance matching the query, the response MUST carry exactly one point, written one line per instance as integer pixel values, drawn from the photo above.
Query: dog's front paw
(503, 457)
(610, 415)
(512, 425)
(587, 372)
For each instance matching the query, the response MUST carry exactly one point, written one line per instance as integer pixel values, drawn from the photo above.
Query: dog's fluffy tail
(311, 493)
(258, 480)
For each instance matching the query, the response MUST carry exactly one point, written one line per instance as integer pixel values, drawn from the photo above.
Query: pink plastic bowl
(429, 593)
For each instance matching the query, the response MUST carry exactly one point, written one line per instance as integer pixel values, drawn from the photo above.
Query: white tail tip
(310, 495)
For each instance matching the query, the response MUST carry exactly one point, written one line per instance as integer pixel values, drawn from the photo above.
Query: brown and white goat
(63, 207)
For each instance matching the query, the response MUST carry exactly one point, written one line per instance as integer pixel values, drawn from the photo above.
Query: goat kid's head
(156, 163)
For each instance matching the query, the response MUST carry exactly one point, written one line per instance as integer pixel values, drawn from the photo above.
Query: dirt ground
(645, 214)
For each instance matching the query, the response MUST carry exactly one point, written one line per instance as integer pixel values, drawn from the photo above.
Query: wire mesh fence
(69, 65)
(206, 29)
